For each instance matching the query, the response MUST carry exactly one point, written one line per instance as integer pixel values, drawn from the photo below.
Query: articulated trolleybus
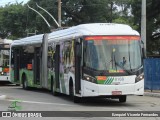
(88, 60)
(4, 60)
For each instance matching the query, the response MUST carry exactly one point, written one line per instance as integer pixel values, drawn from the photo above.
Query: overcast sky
(3, 2)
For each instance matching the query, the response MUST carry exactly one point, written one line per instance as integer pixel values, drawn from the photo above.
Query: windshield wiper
(128, 71)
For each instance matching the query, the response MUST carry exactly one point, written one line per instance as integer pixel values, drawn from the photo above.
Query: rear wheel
(24, 82)
(123, 98)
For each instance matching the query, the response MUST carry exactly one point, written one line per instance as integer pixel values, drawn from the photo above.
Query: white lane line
(35, 102)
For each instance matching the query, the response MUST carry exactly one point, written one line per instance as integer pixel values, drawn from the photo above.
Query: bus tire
(71, 93)
(54, 93)
(123, 98)
(24, 82)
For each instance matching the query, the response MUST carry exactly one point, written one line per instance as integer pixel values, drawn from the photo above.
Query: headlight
(89, 78)
(140, 77)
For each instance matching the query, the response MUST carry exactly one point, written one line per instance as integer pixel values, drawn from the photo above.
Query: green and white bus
(88, 60)
(4, 60)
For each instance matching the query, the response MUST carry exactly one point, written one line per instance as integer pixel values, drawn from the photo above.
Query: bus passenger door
(16, 54)
(78, 55)
(57, 65)
(37, 66)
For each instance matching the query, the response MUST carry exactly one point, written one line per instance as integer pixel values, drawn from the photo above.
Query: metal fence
(152, 73)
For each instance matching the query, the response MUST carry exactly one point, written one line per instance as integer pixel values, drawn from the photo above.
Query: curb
(151, 94)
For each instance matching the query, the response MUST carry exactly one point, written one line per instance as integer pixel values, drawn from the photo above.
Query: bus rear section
(112, 67)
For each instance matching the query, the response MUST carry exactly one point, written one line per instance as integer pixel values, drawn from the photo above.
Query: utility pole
(59, 12)
(143, 25)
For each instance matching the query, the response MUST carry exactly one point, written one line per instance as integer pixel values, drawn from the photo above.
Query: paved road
(42, 100)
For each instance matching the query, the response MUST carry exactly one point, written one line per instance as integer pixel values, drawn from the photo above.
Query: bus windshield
(120, 53)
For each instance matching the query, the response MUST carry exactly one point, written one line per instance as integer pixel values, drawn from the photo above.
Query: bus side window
(51, 55)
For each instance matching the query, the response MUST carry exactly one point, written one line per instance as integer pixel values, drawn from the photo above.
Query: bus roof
(79, 30)
(36, 39)
(92, 29)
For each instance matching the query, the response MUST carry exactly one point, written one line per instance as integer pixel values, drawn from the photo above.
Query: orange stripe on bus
(101, 77)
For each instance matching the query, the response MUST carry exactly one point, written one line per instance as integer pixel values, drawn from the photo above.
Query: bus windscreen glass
(112, 53)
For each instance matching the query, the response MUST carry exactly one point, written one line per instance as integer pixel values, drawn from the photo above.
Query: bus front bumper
(4, 78)
(91, 89)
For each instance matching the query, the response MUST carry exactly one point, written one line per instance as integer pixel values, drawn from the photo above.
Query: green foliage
(11, 18)
(153, 23)
(16, 20)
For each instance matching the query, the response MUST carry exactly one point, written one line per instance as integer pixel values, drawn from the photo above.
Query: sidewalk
(153, 93)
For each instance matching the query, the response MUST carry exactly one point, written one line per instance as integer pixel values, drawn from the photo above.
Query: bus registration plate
(116, 92)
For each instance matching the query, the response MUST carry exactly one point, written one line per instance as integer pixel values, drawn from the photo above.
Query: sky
(3, 2)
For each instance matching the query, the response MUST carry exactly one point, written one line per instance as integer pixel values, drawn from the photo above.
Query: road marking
(35, 102)
(3, 97)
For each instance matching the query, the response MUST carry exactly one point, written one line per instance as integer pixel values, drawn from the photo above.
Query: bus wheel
(122, 98)
(71, 93)
(53, 89)
(24, 84)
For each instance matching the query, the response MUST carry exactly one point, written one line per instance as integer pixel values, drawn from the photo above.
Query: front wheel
(73, 97)
(123, 98)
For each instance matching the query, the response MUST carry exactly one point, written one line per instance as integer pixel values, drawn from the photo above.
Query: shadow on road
(88, 101)
(6, 83)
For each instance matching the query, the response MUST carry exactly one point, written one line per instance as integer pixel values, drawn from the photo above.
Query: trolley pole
(143, 26)
(59, 12)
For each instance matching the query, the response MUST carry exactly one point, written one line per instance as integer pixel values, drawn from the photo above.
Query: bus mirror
(143, 53)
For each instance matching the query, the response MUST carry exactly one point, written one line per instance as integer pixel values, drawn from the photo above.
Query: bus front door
(78, 67)
(57, 65)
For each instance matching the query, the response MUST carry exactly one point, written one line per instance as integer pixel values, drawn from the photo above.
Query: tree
(74, 12)
(153, 23)
(17, 19)
(12, 21)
